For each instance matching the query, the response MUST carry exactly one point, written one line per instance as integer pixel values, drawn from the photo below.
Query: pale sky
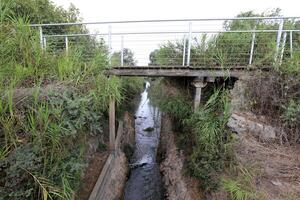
(118, 10)
(107, 10)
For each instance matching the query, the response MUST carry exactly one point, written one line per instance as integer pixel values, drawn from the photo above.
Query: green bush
(176, 106)
(170, 99)
(291, 113)
(43, 137)
(211, 139)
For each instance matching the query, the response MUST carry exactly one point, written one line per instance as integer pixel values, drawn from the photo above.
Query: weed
(211, 138)
(8, 127)
(46, 188)
(236, 190)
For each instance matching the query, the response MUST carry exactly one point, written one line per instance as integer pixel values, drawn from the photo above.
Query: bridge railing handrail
(169, 32)
(279, 29)
(163, 20)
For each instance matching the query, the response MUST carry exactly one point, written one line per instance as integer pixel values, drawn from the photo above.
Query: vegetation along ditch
(241, 143)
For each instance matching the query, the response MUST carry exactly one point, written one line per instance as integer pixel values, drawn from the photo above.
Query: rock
(149, 129)
(239, 98)
(248, 123)
(277, 183)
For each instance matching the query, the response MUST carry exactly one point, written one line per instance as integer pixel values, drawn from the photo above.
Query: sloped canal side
(145, 180)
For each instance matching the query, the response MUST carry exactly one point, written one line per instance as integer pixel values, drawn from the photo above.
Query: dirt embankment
(178, 186)
(274, 168)
(259, 146)
(277, 167)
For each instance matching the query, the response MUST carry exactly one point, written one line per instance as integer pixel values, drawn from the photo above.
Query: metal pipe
(252, 49)
(282, 48)
(189, 45)
(163, 20)
(291, 44)
(184, 49)
(41, 37)
(122, 51)
(109, 44)
(167, 32)
(67, 44)
(278, 39)
(45, 43)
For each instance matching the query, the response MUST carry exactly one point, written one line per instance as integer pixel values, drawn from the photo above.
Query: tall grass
(211, 136)
(46, 134)
(241, 184)
(8, 128)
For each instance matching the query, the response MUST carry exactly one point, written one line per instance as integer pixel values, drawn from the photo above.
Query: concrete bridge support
(198, 83)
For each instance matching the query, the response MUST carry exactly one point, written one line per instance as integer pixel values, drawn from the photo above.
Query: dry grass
(277, 167)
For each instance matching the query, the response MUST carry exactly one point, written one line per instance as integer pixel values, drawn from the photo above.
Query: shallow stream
(144, 182)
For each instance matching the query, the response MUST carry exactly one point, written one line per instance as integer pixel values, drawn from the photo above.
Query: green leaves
(211, 137)
(291, 113)
(13, 176)
(236, 190)
(77, 114)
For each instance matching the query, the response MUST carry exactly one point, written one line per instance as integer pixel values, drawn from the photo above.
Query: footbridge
(199, 48)
(203, 49)
(214, 47)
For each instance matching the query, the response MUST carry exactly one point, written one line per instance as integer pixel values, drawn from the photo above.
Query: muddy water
(144, 182)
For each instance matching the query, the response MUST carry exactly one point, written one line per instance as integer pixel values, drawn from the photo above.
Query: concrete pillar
(197, 98)
(112, 125)
(199, 83)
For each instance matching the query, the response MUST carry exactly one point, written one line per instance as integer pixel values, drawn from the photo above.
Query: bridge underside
(175, 71)
(201, 75)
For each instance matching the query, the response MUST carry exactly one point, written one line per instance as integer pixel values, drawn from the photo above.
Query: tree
(228, 49)
(128, 58)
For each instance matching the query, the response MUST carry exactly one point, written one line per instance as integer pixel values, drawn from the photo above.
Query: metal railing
(223, 42)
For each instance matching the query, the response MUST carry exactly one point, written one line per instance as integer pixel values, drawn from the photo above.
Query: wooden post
(112, 126)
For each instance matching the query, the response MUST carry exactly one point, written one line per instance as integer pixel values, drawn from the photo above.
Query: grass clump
(241, 185)
(211, 149)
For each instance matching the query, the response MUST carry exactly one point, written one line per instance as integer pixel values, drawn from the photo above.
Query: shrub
(210, 151)
(291, 113)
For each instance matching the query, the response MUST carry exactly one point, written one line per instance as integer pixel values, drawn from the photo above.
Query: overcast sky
(103, 10)
(118, 10)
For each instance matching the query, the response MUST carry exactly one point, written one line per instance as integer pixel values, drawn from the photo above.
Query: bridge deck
(180, 71)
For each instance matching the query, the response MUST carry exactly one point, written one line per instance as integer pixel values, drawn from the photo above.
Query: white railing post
(67, 44)
(41, 37)
(45, 43)
(109, 44)
(184, 50)
(291, 44)
(279, 33)
(282, 48)
(122, 51)
(189, 44)
(252, 48)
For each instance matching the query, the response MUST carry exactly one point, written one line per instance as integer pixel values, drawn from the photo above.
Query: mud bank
(177, 186)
